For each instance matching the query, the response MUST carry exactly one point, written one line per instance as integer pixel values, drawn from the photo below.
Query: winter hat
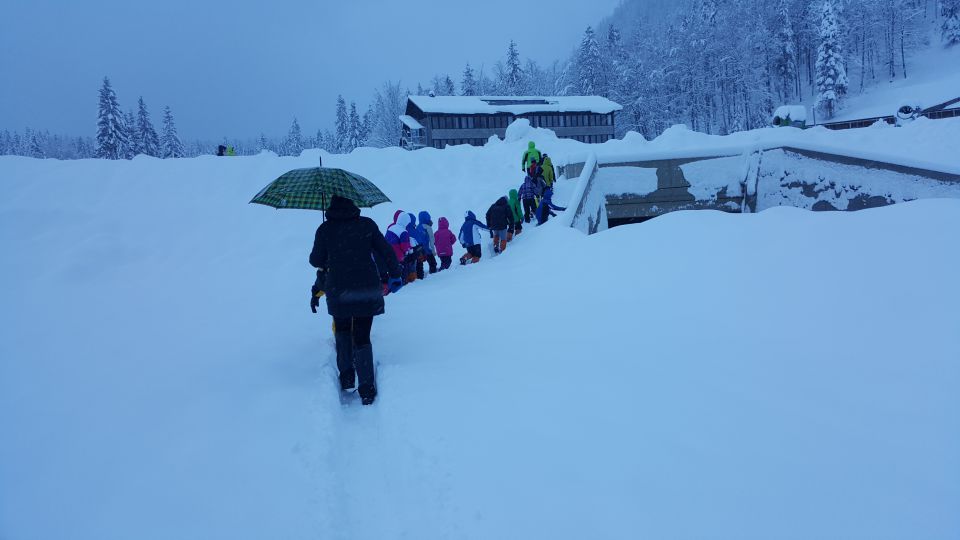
(531, 145)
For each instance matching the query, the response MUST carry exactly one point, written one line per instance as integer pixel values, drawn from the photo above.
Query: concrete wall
(751, 182)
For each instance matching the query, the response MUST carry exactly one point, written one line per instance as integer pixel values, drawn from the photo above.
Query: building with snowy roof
(448, 120)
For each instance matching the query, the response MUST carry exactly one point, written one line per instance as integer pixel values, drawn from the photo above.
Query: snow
(796, 113)
(488, 105)
(410, 122)
(786, 374)
(933, 78)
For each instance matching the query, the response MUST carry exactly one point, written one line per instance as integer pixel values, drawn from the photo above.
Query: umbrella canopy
(312, 189)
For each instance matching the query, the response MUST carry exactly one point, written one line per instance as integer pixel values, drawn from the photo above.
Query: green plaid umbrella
(312, 188)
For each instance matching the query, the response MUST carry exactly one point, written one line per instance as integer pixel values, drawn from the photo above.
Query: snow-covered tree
(262, 143)
(35, 149)
(389, 102)
(950, 30)
(132, 148)
(591, 68)
(468, 85)
(293, 146)
(831, 66)
(342, 126)
(511, 75)
(785, 59)
(111, 132)
(147, 141)
(354, 128)
(170, 145)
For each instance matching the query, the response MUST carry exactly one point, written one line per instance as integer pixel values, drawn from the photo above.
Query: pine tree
(831, 68)
(5, 142)
(111, 133)
(950, 31)
(354, 127)
(170, 145)
(468, 85)
(133, 146)
(449, 89)
(35, 149)
(785, 62)
(262, 143)
(293, 146)
(148, 142)
(342, 126)
(513, 73)
(591, 71)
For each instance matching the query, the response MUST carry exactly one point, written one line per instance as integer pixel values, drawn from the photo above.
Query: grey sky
(238, 67)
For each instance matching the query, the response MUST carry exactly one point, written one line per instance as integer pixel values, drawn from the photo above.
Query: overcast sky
(236, 68)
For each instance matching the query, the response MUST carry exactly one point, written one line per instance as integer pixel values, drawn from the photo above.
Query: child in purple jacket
(444, 240)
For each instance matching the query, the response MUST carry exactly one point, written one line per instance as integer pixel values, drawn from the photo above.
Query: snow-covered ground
(933, 77)
(786, 374)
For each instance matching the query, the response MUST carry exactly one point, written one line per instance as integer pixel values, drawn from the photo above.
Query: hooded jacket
(531, 188)
(470, 230)
(345, 248)
(546, 205)
(532, 155)
(445, 239)
(515, 206)
(549, 175)
(397, 235)
(425, 234)
(500, 216)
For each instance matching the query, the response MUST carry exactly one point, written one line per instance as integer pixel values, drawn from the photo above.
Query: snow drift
(785, 374)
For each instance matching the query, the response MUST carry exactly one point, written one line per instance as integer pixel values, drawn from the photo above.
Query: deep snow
(786, 374)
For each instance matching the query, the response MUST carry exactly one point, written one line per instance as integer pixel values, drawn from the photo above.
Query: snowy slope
(780, 375)
(933, 78)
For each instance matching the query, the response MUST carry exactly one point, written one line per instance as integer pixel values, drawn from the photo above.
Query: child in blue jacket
(546, 208)
(425, 237)
(471, 238)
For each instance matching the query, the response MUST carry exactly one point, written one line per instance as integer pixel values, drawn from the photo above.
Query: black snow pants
(529, 209)
(354, 352)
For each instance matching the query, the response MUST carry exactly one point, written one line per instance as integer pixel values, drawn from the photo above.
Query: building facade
(450, 120)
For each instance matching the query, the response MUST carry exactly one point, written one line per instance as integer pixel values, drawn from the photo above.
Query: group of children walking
(415, 243)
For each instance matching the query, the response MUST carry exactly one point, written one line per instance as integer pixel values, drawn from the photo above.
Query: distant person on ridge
(532, 155)
(471, 238)
(444, 240)
(343, 251)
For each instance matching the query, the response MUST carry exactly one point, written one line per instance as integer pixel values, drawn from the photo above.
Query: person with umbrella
(344, 250)
(350, 255)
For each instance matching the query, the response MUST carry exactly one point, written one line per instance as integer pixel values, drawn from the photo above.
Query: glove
(314, 303)
(395, 284)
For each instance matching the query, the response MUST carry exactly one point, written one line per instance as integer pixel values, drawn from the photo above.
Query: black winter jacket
(499, 216)
(348, 248)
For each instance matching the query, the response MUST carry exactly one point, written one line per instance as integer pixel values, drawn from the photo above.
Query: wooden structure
(452, 120)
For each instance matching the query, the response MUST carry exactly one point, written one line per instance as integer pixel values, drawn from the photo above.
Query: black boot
(345, 360)
(363, 359)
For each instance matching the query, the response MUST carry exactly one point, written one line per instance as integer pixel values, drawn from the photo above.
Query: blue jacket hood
(425, 218)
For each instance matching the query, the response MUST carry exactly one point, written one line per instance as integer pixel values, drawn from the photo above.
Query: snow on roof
(513, 104)
(796, 113)
(410, 122)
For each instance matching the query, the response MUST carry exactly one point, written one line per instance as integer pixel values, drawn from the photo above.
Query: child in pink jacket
(444, 239)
